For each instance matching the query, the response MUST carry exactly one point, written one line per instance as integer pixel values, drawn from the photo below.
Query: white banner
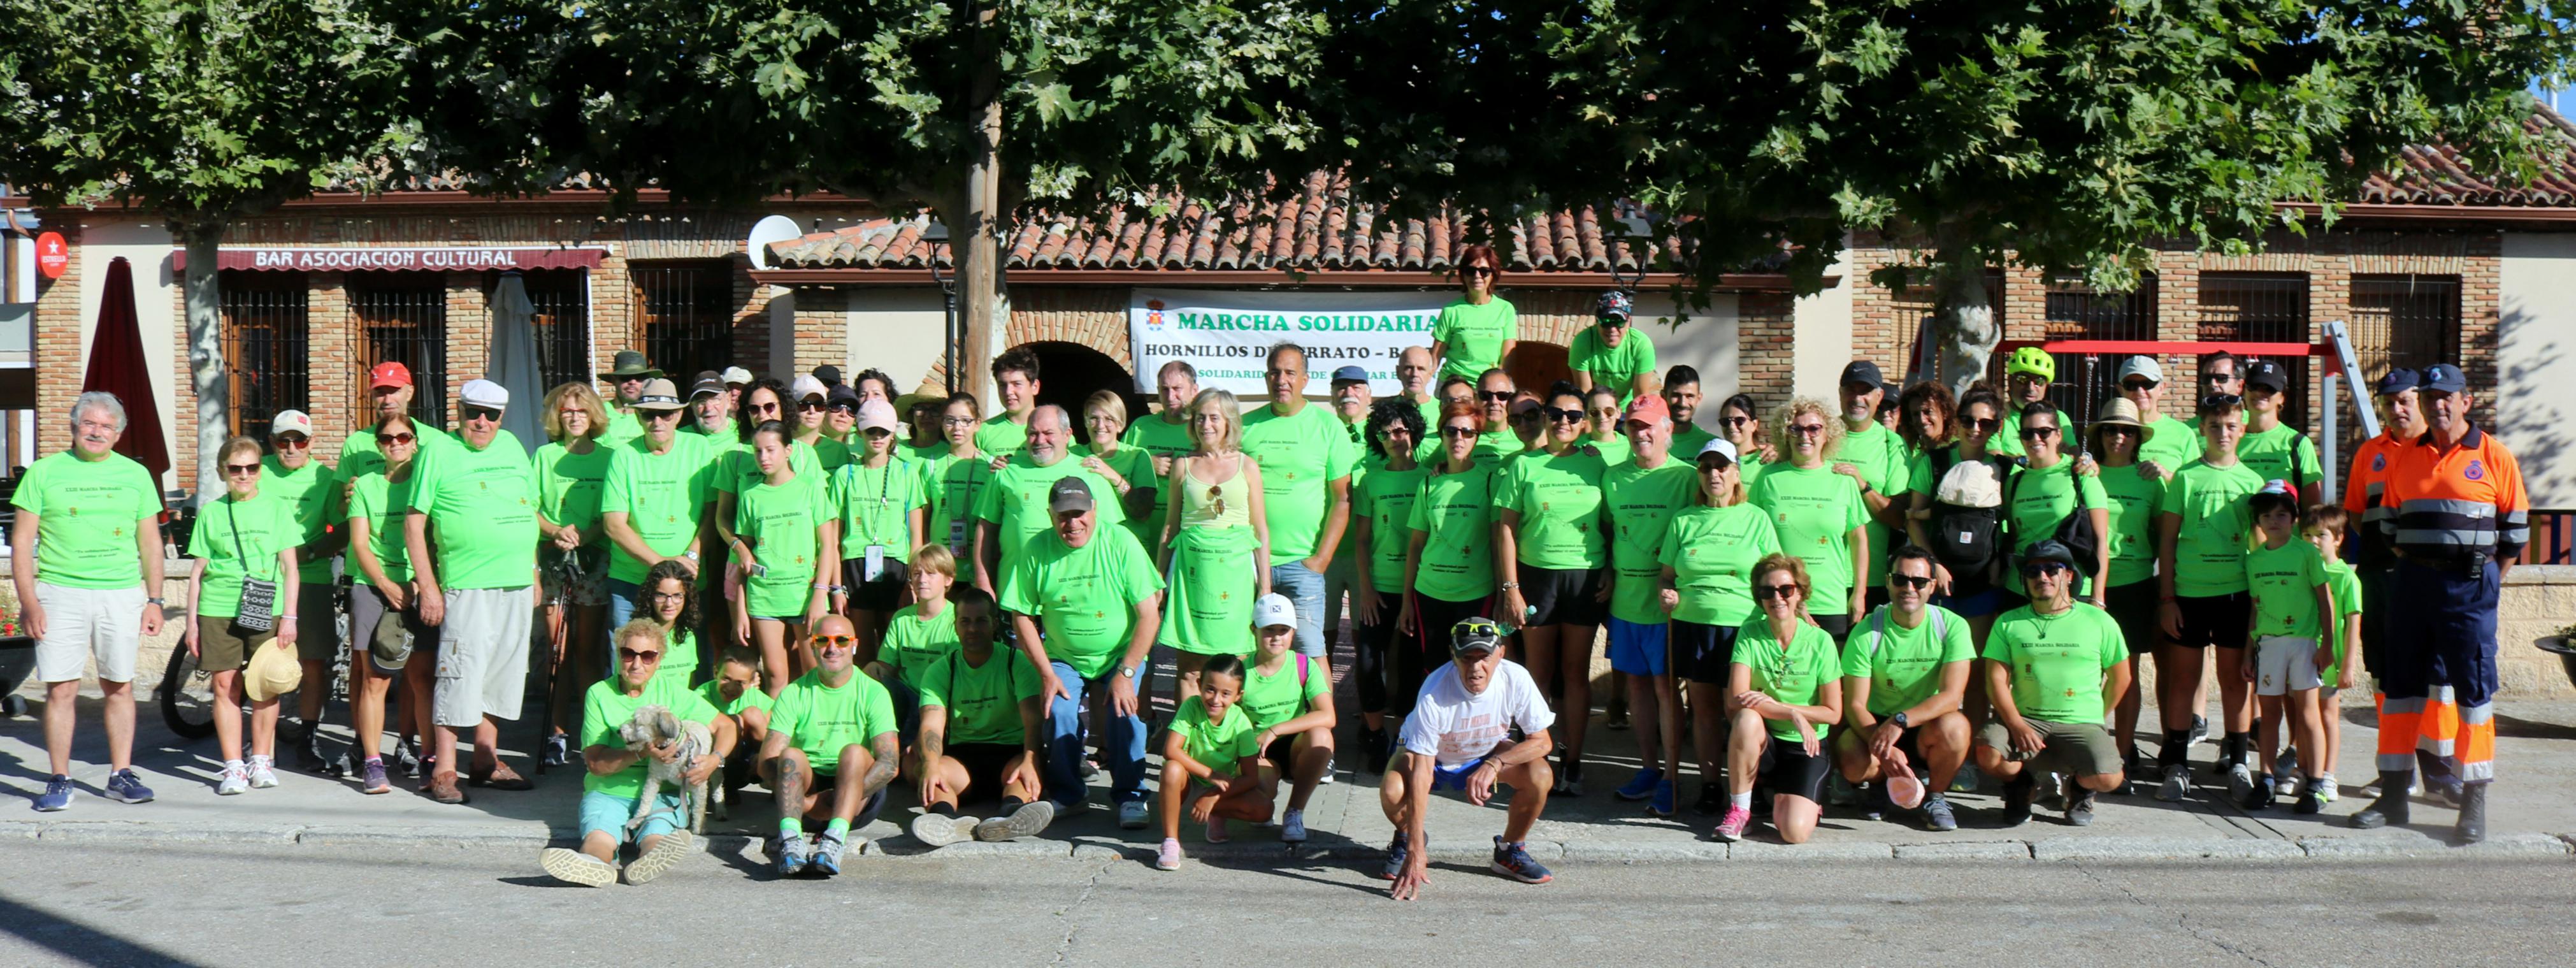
(1227, 336)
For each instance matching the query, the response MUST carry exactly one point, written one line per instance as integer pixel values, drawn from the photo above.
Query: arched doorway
(1069, 373)
(1535, 366)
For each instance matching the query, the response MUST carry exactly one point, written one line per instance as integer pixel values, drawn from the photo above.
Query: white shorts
(482, 655)
(2283, 664)
(82, 623)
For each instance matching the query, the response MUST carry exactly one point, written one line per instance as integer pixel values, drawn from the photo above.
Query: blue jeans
(1124, 747)
(1305, 590)
(621, 602)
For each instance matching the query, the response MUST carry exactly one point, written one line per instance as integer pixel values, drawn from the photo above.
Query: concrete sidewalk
(2530, 811)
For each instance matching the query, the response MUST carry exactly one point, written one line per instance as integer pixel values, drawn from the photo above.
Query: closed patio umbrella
(514, 359)
(117, 365)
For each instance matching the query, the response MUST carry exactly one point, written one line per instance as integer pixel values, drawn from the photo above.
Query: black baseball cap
(1862, 372)
(1068, 494)
(2398, 380)
(2049, 550)
(829, 374)
(2444, 378)
(2267, 375)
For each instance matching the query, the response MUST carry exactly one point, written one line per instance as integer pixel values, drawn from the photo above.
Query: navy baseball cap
(1354, 373)
(2268, 375)
(2398, 380)
(2444, 378)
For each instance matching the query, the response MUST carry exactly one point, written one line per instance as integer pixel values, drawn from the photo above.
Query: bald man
(830, 753)
(1414, 368)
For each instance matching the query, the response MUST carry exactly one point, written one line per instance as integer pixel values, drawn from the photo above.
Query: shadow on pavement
(76, 941)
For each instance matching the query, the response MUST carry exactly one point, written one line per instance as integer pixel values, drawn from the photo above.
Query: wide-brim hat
(273, 671)
(2117, 412)
(630, 364)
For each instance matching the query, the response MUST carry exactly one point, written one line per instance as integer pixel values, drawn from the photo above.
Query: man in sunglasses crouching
(830, 753)
(1459, 736)
(2052, 667)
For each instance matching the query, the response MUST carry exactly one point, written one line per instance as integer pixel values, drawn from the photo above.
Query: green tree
(2062, 135)
(203, 112)
(970, 109)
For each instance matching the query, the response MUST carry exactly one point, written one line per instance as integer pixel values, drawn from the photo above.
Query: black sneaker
(1711, 802)
(2258, 796)
(2017, 796)
(1381, 750)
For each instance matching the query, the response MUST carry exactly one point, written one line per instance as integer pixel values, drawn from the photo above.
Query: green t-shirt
(1084, 597)
(828, 452)
(2007, 438)
(2134, 497)
(1615, 449)
(1283, 695)
(999, 434)
(2343, 590)
(727, 433)
(1558, 497)
(383, 504)
(359, 454)
(1642, 504)
(1300, 458)
(1455, 513)
(752, 698)
(89, 514)
(1904, 665)
(1219, 746)
(2209, 550)
(1793, 674)
(1688, 439)
(1136, 467)
(1493, 446)
(679, 657)
(263, 527)
(2056, 661)
(1157, 438)
(483, 506)
(663, 496)
(318, 495)
(2284, 581)
(913, 641)
(606, 707)
(2042, 497)
(569, 486)
(1385, 501)
(1712, 552)
(1616, 367)
(2271, 453)
(957, 483)
(983, 702)
(1474, 336)
(821, 719)
(623, 426)
(739, 468)
(1881, 458)
(1813, 511)
(1016, 501)
(782, 524)
(2175, 443)
(875, 505)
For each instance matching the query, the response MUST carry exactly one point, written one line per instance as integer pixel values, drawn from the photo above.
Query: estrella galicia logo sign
(2477, 471)
(1154, 315)
(2379, 462)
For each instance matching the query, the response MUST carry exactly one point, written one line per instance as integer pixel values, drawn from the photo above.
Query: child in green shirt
(1291, 707)
(735, 692)
(2323, 527)
(1211, 766)
(2287, 579)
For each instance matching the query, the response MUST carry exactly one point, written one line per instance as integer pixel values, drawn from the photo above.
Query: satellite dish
(775, 228)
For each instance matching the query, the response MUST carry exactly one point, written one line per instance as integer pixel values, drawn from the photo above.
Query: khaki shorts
(2082, 749)
(225, 647)
(86, 623)
(482, 655)
(317, 626)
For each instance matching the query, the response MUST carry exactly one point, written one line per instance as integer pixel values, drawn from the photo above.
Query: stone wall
(2539, 600)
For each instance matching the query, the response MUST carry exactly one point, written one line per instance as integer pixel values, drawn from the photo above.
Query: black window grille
(402, 317)
(2262, 307)
(2410, 321)
(266, 332)
(562, 324)
(2075, 311)
(687, 316)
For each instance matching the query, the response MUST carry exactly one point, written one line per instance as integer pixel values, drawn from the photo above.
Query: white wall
(146, 244)
(1824, 337)
(2536, 357)
(1706, 340)
(898, 330)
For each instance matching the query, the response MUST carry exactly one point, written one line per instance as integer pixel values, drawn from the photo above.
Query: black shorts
(1838, 625)
(1787, 770)
(1564, 596)
(1436, 615)
(882, 595)
(827, 786)
(2133, 608)
(986, 764)
(1701, 653)
(1908, 740)
(2218, 620)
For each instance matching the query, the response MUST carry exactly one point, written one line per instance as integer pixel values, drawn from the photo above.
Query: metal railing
(2262, 307)
(2553, 538)
(561, 323)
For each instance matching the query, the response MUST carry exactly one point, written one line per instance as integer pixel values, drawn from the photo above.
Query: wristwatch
(1898, 719)
(157, 602)
(1127, 671)
(1510, 586)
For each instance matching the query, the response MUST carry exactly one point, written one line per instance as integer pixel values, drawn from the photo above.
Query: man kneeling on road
(1459, 736)
(1903, 676)
(830, 754)
(981, 732)
(2051, 668)
(614, 786)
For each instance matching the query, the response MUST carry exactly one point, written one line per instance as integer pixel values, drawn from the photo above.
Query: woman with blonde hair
(240, 539)
(1128, 469)
(572, 470)
(1216, 542)
(1785, 692)
(1820, 515)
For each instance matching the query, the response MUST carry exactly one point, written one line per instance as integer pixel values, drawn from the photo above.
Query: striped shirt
(2458, 504)
(2371, 465)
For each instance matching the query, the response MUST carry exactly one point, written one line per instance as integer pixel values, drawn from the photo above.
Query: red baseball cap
(1648, 407)
(388, 374)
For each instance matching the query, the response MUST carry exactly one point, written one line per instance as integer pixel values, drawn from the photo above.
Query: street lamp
(938, 232)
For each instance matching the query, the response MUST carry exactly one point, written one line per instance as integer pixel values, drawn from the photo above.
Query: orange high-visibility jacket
(2458, 503)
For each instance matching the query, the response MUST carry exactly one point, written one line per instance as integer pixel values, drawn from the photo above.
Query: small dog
(653, 726)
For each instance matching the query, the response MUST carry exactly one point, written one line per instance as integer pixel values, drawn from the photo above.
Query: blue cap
(2398, 380)
(1351, 373)
(2444, 378)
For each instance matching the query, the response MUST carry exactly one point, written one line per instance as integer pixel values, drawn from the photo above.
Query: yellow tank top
(1226, 504)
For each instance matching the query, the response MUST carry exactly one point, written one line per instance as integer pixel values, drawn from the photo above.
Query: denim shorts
(607, 813)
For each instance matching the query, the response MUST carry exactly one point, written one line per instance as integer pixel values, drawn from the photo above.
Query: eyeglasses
(1807, 430)
(285, 441)
(640, 655)
(2039, 568)
(1911, 581)
(770, 407)
(1987, 424)
(1776, 591)
(483, 413)
(2134, 386)
(835, 641)
(241, 468)
(680, 596)
(396, 438)
(1562, 416)
(1456, 433)
(2038, 433)
(1498, 396)
(1395, 430)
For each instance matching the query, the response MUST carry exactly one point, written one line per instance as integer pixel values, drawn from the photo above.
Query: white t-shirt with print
(1458, 727)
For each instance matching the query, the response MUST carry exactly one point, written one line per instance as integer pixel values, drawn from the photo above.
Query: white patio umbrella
(514, 359)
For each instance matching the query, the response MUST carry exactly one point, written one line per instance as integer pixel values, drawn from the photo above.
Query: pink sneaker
(1731, 828)
(1216, 831)
(1169, 858)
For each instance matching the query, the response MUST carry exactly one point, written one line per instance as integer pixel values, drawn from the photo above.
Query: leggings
(1389, 665)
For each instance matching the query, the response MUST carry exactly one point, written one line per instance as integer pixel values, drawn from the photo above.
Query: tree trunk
(975, 238)
(1963, 321)
(206, 370)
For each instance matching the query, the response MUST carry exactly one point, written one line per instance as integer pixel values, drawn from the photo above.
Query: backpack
(1878, 626)
(1964, 538)
(2075, 530)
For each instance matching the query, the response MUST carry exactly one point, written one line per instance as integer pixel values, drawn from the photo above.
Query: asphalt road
(238, 905)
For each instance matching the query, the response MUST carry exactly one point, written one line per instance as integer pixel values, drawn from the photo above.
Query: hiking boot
(2473, 815)
(1641, 784)
(1512, 859)
(2390, 808)
(1937, 815)
(2018, 793)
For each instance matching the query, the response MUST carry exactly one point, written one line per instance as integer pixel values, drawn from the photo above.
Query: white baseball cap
(291, 422)
(1273, 609)
(737, 376)
(1721, 447)
(2145, 366)
(807, 386)
(877, 414)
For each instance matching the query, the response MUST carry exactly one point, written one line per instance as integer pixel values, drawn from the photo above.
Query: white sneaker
(262, 776)
(2285, 784)
(1132, 815)
(1292, 828)
(1328, 772)
(234, 781)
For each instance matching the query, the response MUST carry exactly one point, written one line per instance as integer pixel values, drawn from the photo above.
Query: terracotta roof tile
(2433, 175)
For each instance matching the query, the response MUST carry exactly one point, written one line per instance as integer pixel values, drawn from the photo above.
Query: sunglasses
(1562, 416)
(844, 408)
(1987, 424)
(1456, 433)
(639, 655)
(2118, 430)
(2039, 568)
(2038, 433)
(1478, 270)
(661, 415)
(835, 641)
(1499, 396)
(2219, 401)
(483, 413)
(1807, 430)
(1776, 591)
(295, 441)
(809, 405)
(1475, 627)
(1911, 581)
(1735, 421)
(2139, 385)
(396, 438)
(2220, 377)
(241, 468)
(771, 407)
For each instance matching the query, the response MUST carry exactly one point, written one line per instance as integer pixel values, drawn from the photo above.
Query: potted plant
(2562, 644)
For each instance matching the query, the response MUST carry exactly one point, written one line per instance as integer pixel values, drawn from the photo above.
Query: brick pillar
(469, 336)
(57, 354)
(336, 375)
(1765, 320)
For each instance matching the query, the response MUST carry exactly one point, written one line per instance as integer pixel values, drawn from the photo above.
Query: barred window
(2262, 307)
(686, 316)
(402, 317)
(2075, 311)
(266, 333)
(2410, 321)
(562, 324)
